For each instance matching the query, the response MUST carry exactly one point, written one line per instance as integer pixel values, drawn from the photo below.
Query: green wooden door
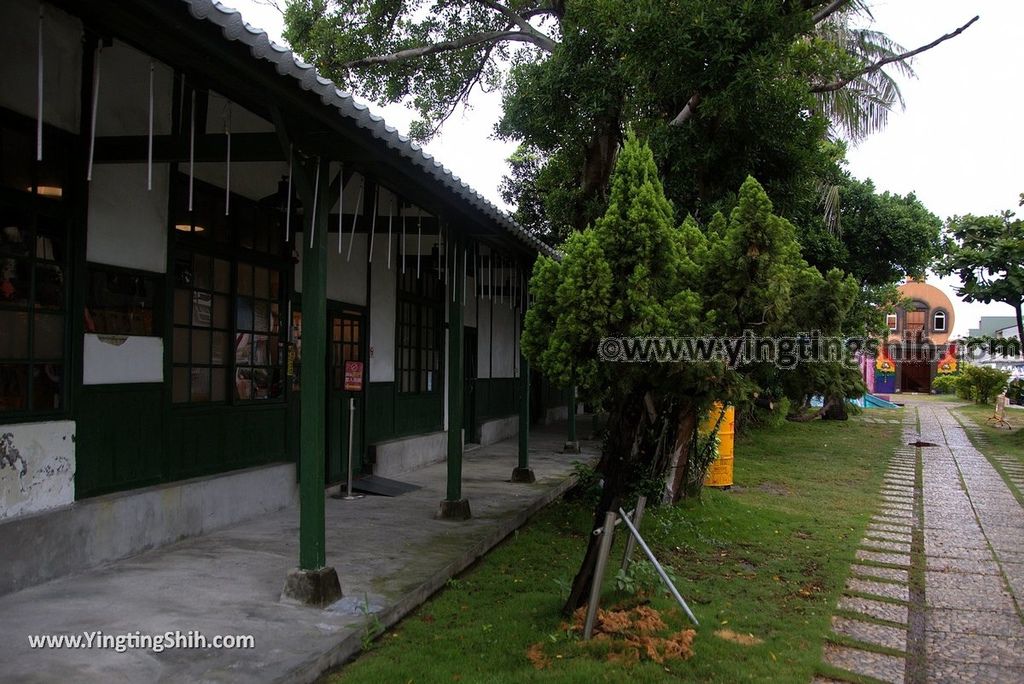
(345, 344)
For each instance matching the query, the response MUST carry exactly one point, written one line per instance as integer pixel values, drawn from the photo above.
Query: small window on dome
(890, 321)
(939, 321)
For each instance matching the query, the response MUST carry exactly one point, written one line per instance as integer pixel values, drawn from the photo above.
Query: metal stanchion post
(602, 561)
(349, 496)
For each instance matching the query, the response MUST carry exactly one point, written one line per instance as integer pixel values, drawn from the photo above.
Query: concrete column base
(523, 475)
(454, 510)
(571, 448)
(318, 588)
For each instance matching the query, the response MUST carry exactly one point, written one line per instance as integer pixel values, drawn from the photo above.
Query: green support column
(313, 582)
(455, 507)
(572, 446)
(523, 472)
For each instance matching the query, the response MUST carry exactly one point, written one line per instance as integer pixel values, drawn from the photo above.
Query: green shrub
(945, 384)
(1015, 392)
(981, 384)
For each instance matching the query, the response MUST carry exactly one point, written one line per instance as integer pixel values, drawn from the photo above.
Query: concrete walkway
(937, 591)
(389, 552)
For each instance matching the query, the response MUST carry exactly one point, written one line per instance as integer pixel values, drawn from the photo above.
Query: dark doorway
(345, 343)
(469, 360)
(915, 377)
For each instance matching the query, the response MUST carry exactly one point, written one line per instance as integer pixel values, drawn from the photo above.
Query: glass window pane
(219, 355)
(48, 337)
(243, 313)
(13, 387)
(221, 312)
(183, 271)
(218, 389)
(200, 384)
(243, 383)
(275, 319)
(261, 316)
(179, 385)
(243, 349)
(275, 388)
(275, 285)
(200, 347)
(262, 282)
(260, 355)
(181, 306)
(15, 281)
(49, 286)
(201, 309)
(202, 266)
(46, 387)
(221, 275)
(245, 279)
(180, 354)
(13, 334)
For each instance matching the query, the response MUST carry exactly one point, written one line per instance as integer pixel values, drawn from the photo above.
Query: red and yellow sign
(353, 376)
(884, 364)
(947, 364)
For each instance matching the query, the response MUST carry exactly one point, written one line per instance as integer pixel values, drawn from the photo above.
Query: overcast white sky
(958, 144)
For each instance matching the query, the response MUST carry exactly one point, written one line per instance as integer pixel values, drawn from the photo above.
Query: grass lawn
(1000, 440)
(768, 558)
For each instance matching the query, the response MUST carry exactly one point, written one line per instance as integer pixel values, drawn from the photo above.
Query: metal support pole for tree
(572, 445)
(638, 516)
(455, 507)
(607, 534)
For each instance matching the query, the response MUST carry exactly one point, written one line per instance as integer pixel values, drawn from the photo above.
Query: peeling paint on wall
(37, 467)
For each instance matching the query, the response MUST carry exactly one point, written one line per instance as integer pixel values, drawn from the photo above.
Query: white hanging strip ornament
(192, 151)
(391, 218)
(440, 248)
(512, 287)
(149, 139)
(316, 200)
(419, 243)
(95, 106)
(465, 275)
(341, 203)
(39, 90)
(227, 162)
(490, 274)
(373, 221)
(288, 202)
(404, 255)
(355, 216)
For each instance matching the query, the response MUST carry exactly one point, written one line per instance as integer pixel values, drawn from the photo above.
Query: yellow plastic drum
(720, 472)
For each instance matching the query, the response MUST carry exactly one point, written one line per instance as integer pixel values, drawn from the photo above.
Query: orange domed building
(917, 347)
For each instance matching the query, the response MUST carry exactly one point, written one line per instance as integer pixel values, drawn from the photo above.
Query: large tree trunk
(835, 409)
(1020, 322)
(687, 425)
(598, 164)
(623, 443)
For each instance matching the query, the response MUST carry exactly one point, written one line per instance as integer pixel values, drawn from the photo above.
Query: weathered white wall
(504, 344)
(383, 307)
(37, 467)
(123, 104)
(254, 180)
(483, 340)
(62, 50)
(127, 223)
(110, 359)
(346, 278)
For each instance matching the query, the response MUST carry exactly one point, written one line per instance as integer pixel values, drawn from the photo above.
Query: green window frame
(418, 330)
(34, 263)
(229, 283)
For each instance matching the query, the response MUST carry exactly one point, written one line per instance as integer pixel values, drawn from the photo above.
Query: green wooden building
(208, 256)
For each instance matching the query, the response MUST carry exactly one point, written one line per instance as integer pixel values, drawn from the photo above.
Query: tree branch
(443, 46)
(687, 111)
(843, 82)
(541, 40)
(827, 11)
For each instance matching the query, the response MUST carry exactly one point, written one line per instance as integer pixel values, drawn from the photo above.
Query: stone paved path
(938, 587)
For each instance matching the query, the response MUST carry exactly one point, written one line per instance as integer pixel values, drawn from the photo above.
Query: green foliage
(1015, 392)
(981, 383)
(987, 253)
(642, 577)
(945, 384)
